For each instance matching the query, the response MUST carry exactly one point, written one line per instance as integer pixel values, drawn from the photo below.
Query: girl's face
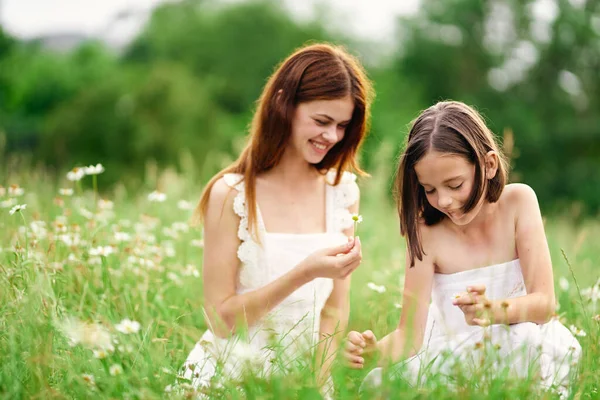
(318, 125)
(448, 180)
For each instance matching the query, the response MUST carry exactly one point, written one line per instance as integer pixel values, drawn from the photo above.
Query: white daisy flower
(89, 379)
(94, 170)
(115, 369)
(17, 208)
(376, 288)
(8, 203)
(563, 283)
(128, 326)
(75, 174)
(101, 251)
(65, 191)
(15, 190)
(157, 197)
(576, 331)
(184, 205)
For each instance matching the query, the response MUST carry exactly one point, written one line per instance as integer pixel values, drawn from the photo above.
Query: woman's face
(317, 126)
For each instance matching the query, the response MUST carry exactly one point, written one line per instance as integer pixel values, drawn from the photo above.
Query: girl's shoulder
(517, 198)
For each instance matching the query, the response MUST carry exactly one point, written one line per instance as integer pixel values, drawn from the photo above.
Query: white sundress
(291, 329)
(448, 339)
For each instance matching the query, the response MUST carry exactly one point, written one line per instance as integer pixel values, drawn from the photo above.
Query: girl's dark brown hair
(447, 127)
(313, 72)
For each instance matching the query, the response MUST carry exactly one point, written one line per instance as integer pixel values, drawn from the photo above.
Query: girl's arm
(532, 248)
(225, 309)
(407, 339)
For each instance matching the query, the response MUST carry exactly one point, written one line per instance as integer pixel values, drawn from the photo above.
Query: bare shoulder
(518, 195)
(429, 235)
(221, 198)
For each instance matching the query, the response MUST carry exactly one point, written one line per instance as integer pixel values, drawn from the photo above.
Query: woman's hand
(333, 262)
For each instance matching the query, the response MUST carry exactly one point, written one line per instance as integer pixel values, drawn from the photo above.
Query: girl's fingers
(356, 339)
(353, 348)
(479, 289)
(352, 359)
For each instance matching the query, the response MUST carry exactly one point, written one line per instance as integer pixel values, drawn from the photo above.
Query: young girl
(277, 222)
(477, 251)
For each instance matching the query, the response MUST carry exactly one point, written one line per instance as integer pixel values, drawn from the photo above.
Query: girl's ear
(491, 164)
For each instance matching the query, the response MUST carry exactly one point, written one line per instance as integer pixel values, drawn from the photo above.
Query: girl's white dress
(289, 332)
(450, 345)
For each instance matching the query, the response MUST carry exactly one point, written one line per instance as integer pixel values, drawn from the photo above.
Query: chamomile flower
(17, 208)
(128, 326)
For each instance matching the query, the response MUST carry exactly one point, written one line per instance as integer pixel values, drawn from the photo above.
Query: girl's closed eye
(457, 186)
(320, 122)
(430, 191)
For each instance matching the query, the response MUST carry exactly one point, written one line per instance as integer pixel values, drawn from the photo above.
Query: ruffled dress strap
(249, 252)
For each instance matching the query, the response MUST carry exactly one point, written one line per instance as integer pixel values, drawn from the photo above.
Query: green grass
(154, 278)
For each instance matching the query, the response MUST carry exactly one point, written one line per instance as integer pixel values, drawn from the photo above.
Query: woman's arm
(334, 316)
(226, 310)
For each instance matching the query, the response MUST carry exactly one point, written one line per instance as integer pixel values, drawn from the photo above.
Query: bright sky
(369, 19)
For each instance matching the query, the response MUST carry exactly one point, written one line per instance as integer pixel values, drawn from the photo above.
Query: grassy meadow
(101, 293)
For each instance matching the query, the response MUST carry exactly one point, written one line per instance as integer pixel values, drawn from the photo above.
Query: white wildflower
(95, 260)
(91, 335)
(128, 326)
(17, 208)
(8, 203)
(184, 205)
(89, 379)
(563, 283)
(577, 331)
(39, 229)
(75, 174)
(86, 213)
(357, 218)
(105, 204)
(15, 190)
(65, 191)
(100, 353)
(190, 270)
(174, 278)
(157, 196)
(592, 293)
(115, 369)
(122, 237)
(180, 227)
(170, 232)
(94, 170)
(376, 288)
(101, 251)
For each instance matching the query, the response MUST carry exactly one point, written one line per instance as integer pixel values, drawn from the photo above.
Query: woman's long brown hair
(314, 72)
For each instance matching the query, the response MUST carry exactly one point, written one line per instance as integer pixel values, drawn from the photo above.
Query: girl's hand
(357, 345)
(333, 262)
(475, 305)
